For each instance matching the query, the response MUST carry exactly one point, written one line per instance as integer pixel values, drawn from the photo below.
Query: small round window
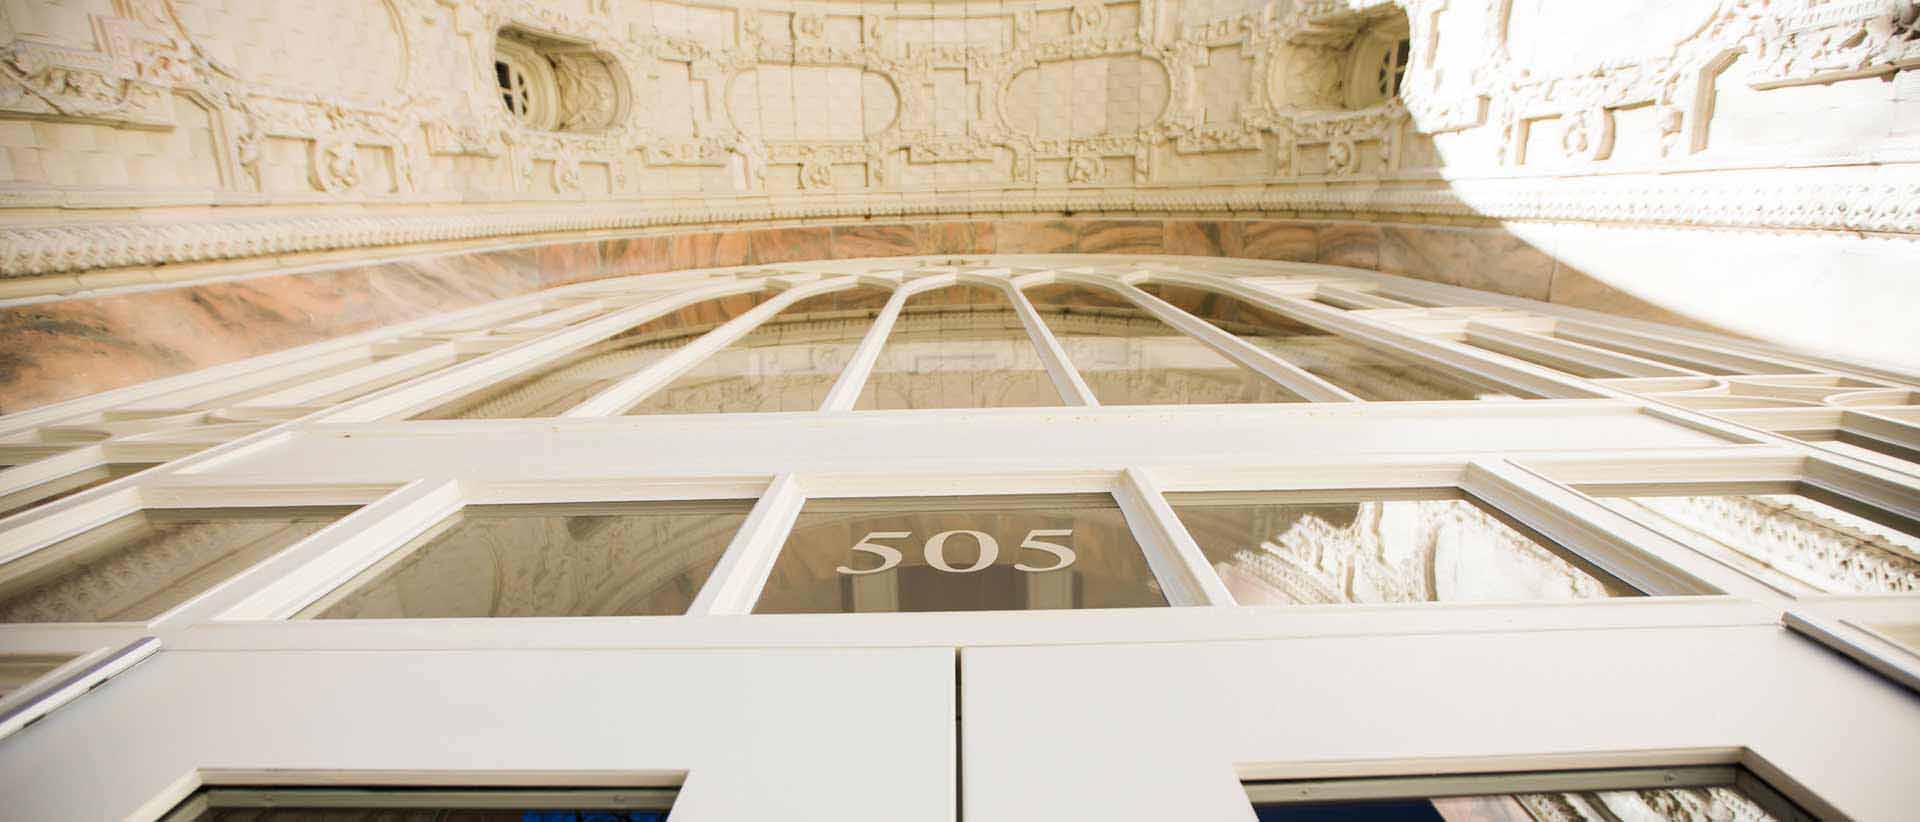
(1379, 68)
(523, 79)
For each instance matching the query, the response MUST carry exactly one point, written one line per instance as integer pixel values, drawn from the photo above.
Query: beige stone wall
(142, 134)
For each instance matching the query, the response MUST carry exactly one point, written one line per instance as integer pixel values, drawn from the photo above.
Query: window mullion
(629, 392)
(180, 401)
(846, 389)
(1589, 333)
(1292, 377)
(1495, 337)
(1066, 379)
(743, 568)
(1376, 334)
(313, 392)
(1172, 554)
(1637, 555)
(317, 566)
(517, 360)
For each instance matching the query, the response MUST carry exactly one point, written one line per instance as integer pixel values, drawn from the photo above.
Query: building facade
(1485, 409)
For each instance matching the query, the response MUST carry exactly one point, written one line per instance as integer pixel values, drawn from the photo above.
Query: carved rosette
(1086, 168)
(566, 173)
(335, 165)
(1587, 134)
(817, 171)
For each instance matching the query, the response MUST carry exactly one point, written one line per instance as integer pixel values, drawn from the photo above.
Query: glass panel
(138, 566)
(1676, 804)
(1367, 373)
(997, 553)
(576, 377)
(577, 559)
(1803, 539)
(1687, 793)
(423, 805)
(67, 486)
(789, 363)
(1871, 449)
(1329, 547)
(1128, 357)
(958, 347)
(20, 670)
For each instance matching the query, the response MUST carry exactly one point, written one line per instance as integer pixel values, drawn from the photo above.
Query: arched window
(524, 80)
(1379, 64)
(550, 84)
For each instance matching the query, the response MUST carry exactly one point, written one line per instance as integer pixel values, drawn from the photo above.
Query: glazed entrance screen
(1005, 553)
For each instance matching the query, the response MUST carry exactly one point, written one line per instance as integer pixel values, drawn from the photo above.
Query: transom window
(514, 91)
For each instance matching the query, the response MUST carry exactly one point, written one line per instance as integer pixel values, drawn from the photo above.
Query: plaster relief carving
(336, 165)
(673, 98)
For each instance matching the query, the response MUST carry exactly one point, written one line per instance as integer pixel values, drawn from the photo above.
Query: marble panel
(708, 250)
(1205, 238)
(59, 350)
(1273, 240)
(1571, 286)
(975, 237)
(1122, 237)
(787, 245)
(636, 255)
(1034, 236)
(875, 241)
(1485, 259)
(569, 262)
(1349, 244)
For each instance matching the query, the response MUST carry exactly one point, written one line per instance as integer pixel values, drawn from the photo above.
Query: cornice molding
(56, 248)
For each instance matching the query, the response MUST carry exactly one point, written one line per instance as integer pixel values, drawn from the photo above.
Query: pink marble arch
(69, 348)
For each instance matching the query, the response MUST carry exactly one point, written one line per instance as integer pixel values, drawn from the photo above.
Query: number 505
(936, 551)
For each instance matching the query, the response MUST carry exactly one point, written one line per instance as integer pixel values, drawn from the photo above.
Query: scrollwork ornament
(566, 173)
(809, 27)
(1342, 158)
(1086, 168)
(1088, 17)
(335, 165)
(817, 171)
(1587, 134)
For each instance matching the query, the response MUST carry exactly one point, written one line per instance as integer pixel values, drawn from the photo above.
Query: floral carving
(1088, 17)
(1291, 103)
(1086, 168)
(1587, 134)
(817, 171)
(335, 165)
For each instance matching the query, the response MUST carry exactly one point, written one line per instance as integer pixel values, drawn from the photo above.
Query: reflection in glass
(958, 347)
(788, 363)
(1805, 540)
(552, 389)
(1367, 373)
(138, 566)
(1860, 446)
(20, 670)
(423, 805)
(1359, 547)
(1129, 357)
(575, 559)
(960, 554)
(67, 486)
(1646, 805)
